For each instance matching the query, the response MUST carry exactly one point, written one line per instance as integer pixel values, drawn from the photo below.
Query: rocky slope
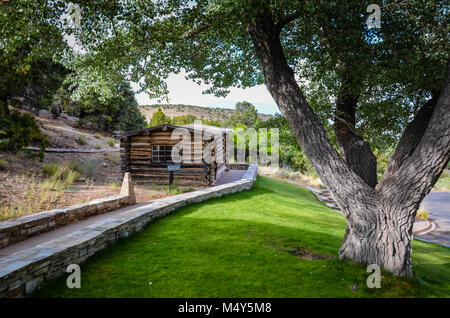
(220, 114)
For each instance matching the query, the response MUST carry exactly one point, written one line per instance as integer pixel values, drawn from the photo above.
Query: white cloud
(183, 91)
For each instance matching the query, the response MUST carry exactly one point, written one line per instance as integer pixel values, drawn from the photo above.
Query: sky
(183, 91)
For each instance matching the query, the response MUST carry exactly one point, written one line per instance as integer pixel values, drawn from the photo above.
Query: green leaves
(327, 44)
(245, 114)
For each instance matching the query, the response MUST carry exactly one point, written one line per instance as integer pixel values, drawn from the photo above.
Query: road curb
(429, 228)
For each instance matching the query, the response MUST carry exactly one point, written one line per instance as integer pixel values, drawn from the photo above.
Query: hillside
(200, 112)
(28, 186)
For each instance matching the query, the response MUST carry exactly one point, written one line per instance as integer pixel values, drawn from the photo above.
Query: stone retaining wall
(22, 272)
(20, 229)
(238, 166)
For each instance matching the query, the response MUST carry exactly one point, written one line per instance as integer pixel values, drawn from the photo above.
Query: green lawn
(444, 181)
(240, 246)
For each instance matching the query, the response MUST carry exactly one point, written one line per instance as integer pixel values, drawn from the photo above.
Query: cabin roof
(205, 128)
(210, 129)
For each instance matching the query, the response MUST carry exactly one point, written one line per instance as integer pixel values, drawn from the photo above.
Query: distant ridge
(200, 112)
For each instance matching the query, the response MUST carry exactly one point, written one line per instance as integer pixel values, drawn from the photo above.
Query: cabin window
(161, 153)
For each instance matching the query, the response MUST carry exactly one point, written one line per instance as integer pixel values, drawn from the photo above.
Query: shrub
(82, 140)
(61, 172)
(422, 213)
(5, 144)
(61, 177)
(20, 130)
(98, 135)
(51, 169)
(88, 169)
(3, 164)
(84, 168)
(98, 147)
(111, 142)
(112, 184)
(300, 163)
(113, 157)
(173, 189)
(81, 122)
(77, 166)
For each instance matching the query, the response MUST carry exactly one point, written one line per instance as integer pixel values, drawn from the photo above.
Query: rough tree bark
(380, 219)
(412, 135)
(355, 151)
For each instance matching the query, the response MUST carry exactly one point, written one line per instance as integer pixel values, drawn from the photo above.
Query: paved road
(437, 204)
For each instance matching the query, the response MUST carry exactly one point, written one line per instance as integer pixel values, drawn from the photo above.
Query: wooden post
(127, 188)
(171, 178)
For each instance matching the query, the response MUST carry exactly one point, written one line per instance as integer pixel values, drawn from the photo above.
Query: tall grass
(172, 189)
(42, 195)
(288, 173)
(85, 168)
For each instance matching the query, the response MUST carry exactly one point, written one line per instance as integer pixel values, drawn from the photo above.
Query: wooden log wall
(136, 158)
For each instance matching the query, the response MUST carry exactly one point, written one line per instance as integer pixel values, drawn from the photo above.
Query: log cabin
(147, 154)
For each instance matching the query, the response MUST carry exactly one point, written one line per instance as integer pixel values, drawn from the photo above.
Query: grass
(444, 181)
(41, 195)
(64, 175)
(287, 173)
(51, 169)
(245, 245)
(173, 189)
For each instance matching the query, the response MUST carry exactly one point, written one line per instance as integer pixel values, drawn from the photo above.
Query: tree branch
(425, 163)
(287, 19)
(347, 187)
(195, 31)
(348, 125)
(353, 148)
(412, 135)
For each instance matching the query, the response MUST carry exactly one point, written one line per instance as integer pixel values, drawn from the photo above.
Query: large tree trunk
(380, 236)
(355, 151)
(380, 219)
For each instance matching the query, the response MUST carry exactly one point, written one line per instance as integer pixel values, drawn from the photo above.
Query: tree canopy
(328, 45)
(244, 113)
(329, 74)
